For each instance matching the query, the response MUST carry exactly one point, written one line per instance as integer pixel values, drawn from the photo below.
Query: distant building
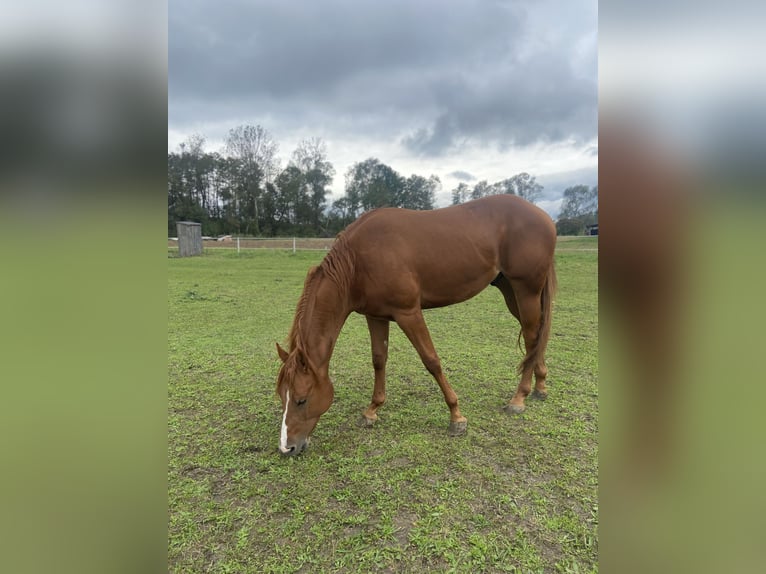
(591, 229)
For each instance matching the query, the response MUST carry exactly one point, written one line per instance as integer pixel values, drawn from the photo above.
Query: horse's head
(306, 395)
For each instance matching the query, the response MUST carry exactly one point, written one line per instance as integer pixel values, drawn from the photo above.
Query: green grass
(571, 242)
(515, 494)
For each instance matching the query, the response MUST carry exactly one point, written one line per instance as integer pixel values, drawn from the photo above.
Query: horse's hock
(189, 238)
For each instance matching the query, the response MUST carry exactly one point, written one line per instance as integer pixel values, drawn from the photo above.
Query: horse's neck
(322, 326)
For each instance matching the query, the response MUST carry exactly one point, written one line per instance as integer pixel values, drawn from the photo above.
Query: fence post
(293, 245)
(237, 244)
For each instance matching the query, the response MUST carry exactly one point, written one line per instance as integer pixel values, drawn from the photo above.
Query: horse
(392, 263)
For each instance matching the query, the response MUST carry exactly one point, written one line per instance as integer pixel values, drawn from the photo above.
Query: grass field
(515, 494)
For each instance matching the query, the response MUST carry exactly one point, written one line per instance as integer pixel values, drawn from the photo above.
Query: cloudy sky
(467, 90)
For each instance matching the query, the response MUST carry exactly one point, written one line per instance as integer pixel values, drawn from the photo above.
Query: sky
(466, 90)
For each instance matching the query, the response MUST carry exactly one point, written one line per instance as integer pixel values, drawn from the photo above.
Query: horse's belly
(449, 291)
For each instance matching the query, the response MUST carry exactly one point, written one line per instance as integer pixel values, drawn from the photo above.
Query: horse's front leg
(414, 326)
(379, 340)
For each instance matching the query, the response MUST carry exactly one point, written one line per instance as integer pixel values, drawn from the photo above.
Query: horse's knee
(379, 361)
(530, 336)
(433, 365)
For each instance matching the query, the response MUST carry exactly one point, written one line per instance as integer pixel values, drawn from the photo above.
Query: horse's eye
(300, 402)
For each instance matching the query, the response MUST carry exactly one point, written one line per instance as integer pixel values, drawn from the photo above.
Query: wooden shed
(189, 238)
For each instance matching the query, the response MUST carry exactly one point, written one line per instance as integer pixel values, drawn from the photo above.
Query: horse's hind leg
(530, 315)
(414, 326)
(541, 371)
(379, 340)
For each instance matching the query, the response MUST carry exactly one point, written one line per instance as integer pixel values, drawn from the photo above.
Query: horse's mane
(338, 266)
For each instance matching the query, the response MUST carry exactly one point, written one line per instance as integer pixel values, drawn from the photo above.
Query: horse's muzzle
(294, 449)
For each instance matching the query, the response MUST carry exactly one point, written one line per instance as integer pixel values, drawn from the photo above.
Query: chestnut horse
(389, 265)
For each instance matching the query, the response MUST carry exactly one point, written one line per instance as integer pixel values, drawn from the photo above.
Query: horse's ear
(282, 353)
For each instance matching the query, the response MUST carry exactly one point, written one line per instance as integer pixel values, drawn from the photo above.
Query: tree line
(579, 208)
(578, 211)
(244, 190)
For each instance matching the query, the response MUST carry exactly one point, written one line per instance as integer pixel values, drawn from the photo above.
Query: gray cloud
(273, 49)
(462, 175)
(543, 99)
(554, 184)
(432, 76)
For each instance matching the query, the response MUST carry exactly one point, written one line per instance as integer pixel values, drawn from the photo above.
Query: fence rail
(324, 243)
(239, 243)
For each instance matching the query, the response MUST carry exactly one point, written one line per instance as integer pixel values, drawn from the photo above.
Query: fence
(239, 243)
(565, 243)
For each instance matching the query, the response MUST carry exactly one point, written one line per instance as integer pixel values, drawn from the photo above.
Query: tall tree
(291, 200)
(481, 189)
(579, 200)
(419, 192)
(269, 220)
(579, 209)
(461, 193)
(189, 176)
(371, 184)
(523, 185)
(254, 145)
(310, 157)
(229, 199)
(339, 216)
(256, 152)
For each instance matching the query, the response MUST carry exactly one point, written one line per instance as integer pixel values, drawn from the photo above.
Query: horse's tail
(536, 355)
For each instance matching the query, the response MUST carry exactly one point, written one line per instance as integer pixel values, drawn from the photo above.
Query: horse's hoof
(514, 409)
(366, 422)
(539, 395)
(458, 428)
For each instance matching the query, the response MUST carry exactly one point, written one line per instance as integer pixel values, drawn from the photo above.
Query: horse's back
(487, 227)
(447, 255)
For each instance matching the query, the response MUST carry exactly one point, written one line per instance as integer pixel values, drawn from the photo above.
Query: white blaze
(283, 434)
